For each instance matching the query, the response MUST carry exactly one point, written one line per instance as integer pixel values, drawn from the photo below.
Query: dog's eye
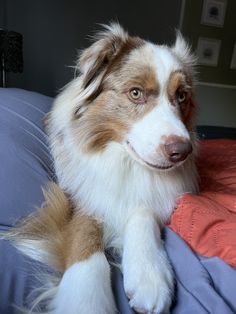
(181, 96)
(136, 95)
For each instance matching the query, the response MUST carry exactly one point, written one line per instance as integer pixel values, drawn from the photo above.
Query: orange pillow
(207, 222)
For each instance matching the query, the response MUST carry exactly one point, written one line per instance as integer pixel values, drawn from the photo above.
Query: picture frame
(208, 50)
(213, 12)
(233, 59)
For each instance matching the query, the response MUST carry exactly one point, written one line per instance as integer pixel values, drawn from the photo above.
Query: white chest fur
(111, 186)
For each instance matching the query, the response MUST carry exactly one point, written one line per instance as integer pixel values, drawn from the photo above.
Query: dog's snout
(177, 149)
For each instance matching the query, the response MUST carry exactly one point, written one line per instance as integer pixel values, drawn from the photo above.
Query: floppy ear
(183, 51)
(94, 60)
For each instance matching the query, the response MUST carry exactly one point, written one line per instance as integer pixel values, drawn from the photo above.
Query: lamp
(11, 53)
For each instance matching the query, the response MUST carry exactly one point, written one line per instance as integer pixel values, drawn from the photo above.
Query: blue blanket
(203, 285)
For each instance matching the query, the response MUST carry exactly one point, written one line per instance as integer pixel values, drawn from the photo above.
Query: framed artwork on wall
(213, 12)
(215, 46)
(233, 60)
(208, 51)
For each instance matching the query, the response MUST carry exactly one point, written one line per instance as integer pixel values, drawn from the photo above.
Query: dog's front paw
(149, 285)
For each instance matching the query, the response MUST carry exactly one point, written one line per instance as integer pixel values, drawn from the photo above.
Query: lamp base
(3, 79)
(3, 71)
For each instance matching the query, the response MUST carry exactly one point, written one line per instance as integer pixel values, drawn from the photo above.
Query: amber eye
(181, 96)
(136, 94)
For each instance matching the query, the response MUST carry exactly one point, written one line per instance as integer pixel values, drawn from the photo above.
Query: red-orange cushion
(207, 222)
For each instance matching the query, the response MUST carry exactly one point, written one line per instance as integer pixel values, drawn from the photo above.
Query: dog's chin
(158, 167)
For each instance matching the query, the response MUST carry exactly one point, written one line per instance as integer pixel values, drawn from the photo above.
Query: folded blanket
(207, 222)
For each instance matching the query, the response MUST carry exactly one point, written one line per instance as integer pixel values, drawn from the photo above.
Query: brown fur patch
(112, 113)
(179, 81)
(100, 61)
(105, 132)
(112, 52)
(140, 76)
(66, 236)
(99, 125)
(82, 238)
(189, 113)
(130, 44)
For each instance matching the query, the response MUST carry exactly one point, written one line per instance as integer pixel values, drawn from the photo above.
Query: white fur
(148, 278)
(36, 250)
(85, 288)
(148, 134)
(111, 186)
(183, 51)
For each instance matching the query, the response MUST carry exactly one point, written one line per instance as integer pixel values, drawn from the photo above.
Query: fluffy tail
(40, 236)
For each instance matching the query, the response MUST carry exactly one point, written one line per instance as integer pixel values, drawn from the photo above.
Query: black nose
(177, 149)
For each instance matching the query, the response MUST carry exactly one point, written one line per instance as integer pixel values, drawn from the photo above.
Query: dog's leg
(85, 287)
(148, 278)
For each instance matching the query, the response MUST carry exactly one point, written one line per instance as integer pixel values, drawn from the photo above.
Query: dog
(123, 142)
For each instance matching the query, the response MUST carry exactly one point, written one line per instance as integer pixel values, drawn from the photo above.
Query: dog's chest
(114, 195)
(111, 186)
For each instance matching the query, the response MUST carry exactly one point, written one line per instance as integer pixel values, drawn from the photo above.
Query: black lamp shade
(11, 50)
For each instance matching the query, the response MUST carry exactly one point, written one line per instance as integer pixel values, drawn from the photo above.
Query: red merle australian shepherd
(122, 138)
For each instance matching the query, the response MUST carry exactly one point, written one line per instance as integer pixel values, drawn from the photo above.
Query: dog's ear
(183, 51)
(94, 61)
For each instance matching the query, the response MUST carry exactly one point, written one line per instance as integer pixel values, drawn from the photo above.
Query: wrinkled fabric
(203, 285)
(26, 166)
(207, 222)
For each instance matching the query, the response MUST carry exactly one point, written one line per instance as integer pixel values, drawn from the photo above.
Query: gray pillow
(26, 166)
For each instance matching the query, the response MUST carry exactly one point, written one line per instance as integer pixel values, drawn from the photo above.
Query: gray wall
(53, 30)
(2, 13)
(216, 106)
(217, 103)
(193, 29)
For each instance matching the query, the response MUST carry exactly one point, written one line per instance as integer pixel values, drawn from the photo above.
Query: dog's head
(137, 94)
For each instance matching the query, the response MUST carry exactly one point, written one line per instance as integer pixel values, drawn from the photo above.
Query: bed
(200, 238)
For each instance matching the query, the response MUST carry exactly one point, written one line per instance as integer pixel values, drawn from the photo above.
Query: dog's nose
(177, 149)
